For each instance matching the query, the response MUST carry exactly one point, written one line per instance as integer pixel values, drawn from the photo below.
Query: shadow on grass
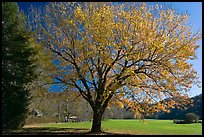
(53, 131)
(45, 131)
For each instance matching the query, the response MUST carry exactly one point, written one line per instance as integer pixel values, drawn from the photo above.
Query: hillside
(180, 114)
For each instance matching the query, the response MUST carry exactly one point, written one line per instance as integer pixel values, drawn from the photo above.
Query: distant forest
(54, 109)
(180, 114)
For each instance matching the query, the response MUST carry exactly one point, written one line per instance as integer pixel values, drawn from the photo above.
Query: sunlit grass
(148, 127)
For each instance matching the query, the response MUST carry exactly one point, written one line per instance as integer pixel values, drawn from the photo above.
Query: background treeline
(177, 113)
(54, 106)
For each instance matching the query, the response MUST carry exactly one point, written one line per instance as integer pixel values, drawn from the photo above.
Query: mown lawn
(148, 127)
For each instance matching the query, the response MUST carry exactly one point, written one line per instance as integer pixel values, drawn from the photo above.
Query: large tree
(17, 66)
(133, 53)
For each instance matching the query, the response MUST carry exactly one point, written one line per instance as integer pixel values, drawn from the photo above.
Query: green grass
(149, 127)
(152, 127)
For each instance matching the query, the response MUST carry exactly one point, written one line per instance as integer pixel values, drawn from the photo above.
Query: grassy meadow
(121, 126)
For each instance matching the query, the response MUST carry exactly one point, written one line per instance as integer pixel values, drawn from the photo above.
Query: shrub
(174, 120)
(178, 121)
(191, 118)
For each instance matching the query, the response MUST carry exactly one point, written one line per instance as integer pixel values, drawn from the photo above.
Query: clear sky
(192, 8)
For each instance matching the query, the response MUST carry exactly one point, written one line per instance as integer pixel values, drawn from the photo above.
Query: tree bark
(98, 110)
(96, 123)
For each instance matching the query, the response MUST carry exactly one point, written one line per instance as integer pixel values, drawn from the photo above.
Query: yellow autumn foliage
(105, 48)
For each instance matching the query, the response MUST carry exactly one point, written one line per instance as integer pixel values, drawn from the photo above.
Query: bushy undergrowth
(189, 118)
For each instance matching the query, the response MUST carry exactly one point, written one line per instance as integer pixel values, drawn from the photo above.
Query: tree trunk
(96, 123)
(98, 111)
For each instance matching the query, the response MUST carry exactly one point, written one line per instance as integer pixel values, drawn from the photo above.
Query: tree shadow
(53, 131)
(46, 131)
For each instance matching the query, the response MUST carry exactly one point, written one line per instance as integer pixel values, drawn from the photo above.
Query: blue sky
(195, 11)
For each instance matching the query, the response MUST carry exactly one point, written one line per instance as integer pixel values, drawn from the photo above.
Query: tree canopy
(131, 53)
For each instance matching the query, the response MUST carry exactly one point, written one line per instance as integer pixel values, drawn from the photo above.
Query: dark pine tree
(17, 66)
